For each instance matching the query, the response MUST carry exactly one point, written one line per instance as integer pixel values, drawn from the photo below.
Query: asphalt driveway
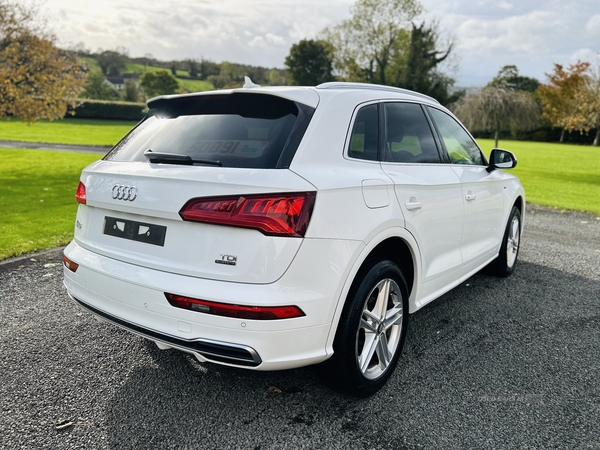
(495, 363)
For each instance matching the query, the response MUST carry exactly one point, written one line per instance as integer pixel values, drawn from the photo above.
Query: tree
(558, 96)
(496, 108)
(275, 79)
(423, 57)
(37, 80)
(508, 76)
(381, 43)
(208, 68)
(372, 39)
(193, 70)
(111, 62)
(309, 63)
(587, 101)
(131, 91)
(158, 83)
(97, 88)
(147, 60)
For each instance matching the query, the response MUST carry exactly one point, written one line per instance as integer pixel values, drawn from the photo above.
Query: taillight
(237, 311)
(80, 194)
(72, 266)
(271, 214)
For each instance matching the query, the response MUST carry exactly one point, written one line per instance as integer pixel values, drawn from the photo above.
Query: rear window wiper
(176, 158)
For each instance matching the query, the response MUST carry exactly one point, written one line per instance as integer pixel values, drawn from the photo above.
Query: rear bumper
(132, 297)
(210, 350)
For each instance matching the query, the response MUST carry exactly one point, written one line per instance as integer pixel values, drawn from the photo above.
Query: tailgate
(132, 215)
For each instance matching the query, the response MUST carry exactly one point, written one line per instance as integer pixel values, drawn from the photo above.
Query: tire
(504, 264)
(371, 332)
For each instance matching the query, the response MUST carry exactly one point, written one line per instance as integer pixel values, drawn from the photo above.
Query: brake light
(72, 266)
(237, 311)
(80, 194)
(271, 214)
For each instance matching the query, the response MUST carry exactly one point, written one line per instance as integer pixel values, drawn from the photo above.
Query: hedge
(545, 134)
(100, 109)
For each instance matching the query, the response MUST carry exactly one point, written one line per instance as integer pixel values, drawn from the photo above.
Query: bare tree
(497, 109)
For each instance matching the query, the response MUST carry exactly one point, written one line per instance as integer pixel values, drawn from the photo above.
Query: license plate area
(135, 231)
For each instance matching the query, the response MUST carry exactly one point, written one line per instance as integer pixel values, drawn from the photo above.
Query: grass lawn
(195, 85)
(563, 176)
(66, 131)
(37, 187)
(37, 198)
(140, 68)
(93, 65)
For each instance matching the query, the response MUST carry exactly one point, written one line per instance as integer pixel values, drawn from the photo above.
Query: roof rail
(379, 87)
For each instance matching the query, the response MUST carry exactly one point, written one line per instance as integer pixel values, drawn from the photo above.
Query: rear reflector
(237, 311)
(271, 214)
(80, 194)
(70, 264)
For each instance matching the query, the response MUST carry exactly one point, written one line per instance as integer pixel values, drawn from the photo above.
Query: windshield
(238, 130)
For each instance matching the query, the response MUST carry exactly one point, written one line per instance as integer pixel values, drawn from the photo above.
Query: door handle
(470, 196)
(412, 204)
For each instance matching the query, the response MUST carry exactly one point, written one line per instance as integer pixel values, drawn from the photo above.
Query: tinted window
(365, 134)
(239, 130)
(461, 148)
(408, 136)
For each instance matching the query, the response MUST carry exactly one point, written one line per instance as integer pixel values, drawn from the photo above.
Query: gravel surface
(495, 363)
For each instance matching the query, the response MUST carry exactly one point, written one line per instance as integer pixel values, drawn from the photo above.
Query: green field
(195, 85)
(562, 176)
(91, 63)
(37, 187)
(37, 203)
(66, 131)
(185, 85)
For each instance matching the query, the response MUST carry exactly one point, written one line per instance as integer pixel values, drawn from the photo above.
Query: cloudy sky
(532, 34)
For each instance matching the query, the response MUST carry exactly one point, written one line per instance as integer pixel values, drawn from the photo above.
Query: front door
(481, 193)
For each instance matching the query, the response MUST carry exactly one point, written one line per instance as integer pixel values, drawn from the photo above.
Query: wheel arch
(397, 250)
(519, 203)
(397, 245)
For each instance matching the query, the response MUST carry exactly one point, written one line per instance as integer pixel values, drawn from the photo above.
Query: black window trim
(357, 109)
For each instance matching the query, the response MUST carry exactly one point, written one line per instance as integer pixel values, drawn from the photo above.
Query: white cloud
(506, 6)
(490, 33)
(593, 26)
(583, 54)
(274, 39)
(257, 41)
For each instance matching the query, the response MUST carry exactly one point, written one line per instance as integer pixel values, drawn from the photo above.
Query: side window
(408, 136)
(461, 148)
(365, 134)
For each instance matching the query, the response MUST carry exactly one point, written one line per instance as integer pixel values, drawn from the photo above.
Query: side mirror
(501, 159)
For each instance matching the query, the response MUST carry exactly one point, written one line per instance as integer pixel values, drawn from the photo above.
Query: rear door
(428, 191)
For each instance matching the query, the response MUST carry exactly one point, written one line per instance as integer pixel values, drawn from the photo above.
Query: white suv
(272, 228)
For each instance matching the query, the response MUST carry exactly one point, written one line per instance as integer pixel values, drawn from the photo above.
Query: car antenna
(249, 84)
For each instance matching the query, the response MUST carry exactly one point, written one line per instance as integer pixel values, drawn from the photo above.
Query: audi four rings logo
(120, 192)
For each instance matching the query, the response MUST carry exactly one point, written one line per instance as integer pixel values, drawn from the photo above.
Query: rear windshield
(238, 130)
